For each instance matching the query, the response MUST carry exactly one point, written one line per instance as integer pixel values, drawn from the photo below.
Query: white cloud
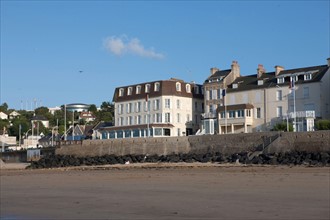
(123, 45)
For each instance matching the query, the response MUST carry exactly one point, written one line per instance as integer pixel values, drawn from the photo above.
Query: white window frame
(121, 92)
(147, 88)
(129, 91)
(178, 87)
(279, 96)
(280, 80)
(167, 117)
(188, 88)
(157, 87)
(138, 89)
(167, 103)
(279, 111)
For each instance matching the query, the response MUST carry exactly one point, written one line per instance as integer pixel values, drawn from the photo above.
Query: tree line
(22, 123)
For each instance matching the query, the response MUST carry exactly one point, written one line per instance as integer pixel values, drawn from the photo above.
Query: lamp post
(53, 135)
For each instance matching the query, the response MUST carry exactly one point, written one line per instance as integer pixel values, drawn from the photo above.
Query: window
(129, 107)
(120, 108)
(130, 120)
(258, 112)
(306, 92)
(178, 106)
(210, 94)
(138, 119)
(138, 107)
(211, 108)
(309, 107)
(156, 104)
(196, 106)
(157, 87)
(240, 113)
(146, 105)
(178, 87)
(235, 86)
(167, 103)
(279, 111)
(121, 92)
(202, 106)
(167, 117)
(129, 90)
(196, 119)
(138, 89)
(260, 82)
(308, 76)
(248, 112)
(231, 114)
(196, 89)
(222, 114)
(279, 95)
(147, 88)
(218, 93)
(280, 80)
(158, 118)
(179, 131)
(178, 120)
(188, 88)
(121, 121)
(188, 118)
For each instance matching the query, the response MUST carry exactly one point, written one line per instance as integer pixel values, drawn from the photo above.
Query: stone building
(236, 103)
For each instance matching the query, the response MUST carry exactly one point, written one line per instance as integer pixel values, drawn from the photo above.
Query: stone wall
(227, 144)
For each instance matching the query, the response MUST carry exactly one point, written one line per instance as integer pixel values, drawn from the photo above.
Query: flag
(223, 92)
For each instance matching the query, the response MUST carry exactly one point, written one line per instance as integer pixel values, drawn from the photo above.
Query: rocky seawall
(287, 158)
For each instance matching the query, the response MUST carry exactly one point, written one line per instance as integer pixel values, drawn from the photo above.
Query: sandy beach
(166, 191)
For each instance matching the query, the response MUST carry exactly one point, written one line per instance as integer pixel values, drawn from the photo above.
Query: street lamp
(53, 135)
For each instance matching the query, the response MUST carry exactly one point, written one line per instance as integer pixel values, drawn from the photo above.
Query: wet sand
(158, 191)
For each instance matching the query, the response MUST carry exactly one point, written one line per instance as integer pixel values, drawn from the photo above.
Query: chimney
(278, 69)
(328, 62)
(235, 69)
(261, 70)
(213, 70)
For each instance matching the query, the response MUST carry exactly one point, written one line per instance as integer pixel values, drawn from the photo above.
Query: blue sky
(61, 52)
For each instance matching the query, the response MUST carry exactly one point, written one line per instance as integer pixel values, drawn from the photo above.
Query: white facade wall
(182, 112)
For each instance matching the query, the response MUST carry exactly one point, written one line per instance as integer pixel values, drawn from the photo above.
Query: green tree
(92, 108)
(322, 124)
(282, 127)
(4, 107)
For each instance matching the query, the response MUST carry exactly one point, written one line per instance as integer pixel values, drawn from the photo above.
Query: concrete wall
(226, 144)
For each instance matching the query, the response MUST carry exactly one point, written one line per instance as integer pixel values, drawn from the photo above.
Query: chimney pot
(213, 70)
(278, 69)
(328, 62)
(260, 70)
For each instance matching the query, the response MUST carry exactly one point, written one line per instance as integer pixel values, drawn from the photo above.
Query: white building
(260, 101)
(3, 116)
(161, 108)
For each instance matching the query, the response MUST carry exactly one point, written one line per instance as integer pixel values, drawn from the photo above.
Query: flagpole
(147, 103)
(294, 104)
(65, 122)
(225, 104)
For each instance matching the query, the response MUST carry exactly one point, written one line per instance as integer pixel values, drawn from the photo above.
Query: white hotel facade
(155, 109)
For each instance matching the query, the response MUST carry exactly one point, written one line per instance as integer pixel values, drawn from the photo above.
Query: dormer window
(138, 89)
(280, 80)
(157, 87)
(260, 82)
(235, 86)
(307, 76)
(147, 88)
(129, 90)
(196, 89)
(188, 88)
(121, 92)
(178, 87)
